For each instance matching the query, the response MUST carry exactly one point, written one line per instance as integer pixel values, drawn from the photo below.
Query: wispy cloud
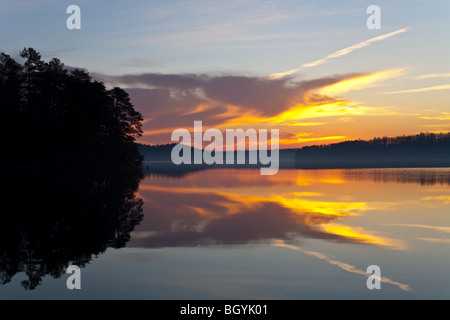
(423, 226)
(339, 53)
(170, 101)
(215, 23)
(436, 240)
(446, 200)
(236, 95)
(352, 48)
(442, 229)
(361, 81)
(434, 88)
(433, 75)
(442, 116)
(298, 138)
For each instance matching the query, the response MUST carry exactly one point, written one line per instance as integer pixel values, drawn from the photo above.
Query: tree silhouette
(66, 216)
(53, 114)
(70, 165)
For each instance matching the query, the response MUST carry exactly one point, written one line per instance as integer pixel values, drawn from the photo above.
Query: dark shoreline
(318, 164)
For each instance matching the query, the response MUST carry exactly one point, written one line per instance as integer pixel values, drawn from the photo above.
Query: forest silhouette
(71, 167)
(55, 218)
(53, 114)
(408, 151)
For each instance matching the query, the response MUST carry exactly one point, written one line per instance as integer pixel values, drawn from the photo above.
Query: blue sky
(249, 38)
(231, 36)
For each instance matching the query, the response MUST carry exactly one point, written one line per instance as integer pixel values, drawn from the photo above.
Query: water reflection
(60, 217)
(337, 217)
(340, 264)
(239, 206)
(422, 176)
(208, 216)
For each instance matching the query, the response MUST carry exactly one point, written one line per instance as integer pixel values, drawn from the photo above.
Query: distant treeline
(422, 139)
(421, 150)
(160, 152)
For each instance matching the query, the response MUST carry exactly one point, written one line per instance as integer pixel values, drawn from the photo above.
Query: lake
(299, 234)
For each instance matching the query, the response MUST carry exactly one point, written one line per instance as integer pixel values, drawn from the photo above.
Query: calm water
(300, 234)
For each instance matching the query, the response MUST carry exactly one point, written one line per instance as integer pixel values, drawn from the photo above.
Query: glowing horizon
(317, 75)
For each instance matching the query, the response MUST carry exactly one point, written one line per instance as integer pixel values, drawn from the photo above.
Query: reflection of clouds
(438, 240)
(425, 226)
(362, 236)
(340, 264)
(445, 199)
(192, 215)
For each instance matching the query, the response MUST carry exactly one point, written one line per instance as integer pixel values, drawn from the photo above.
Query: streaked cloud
(171, 101)
(426, 89)
(338, 53)
(442, 116)
(436, 240)
(433, 75)
(361, 82)
(298, 138)
(445, 199)
(223, 24)
(363, 236)
(302, 124)
(352, 48)
(425, 226)
(443, 229)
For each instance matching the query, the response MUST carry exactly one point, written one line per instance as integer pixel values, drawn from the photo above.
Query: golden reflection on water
(238, 206)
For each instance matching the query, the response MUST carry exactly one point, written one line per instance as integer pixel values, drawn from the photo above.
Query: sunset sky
(311, 69)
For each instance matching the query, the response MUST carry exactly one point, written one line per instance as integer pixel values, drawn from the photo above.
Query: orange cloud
(443, 116)
(360, 82)
(298, 139)
(176, 101)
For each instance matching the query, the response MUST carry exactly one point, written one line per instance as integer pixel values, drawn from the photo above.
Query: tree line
(70, 164)
(421, 139)
(52, 113)
(420, 150)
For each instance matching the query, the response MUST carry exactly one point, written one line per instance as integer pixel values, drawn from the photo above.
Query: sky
(312, 69)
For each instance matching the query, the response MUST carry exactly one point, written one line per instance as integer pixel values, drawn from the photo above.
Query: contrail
(337, 54)
(340, 264)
